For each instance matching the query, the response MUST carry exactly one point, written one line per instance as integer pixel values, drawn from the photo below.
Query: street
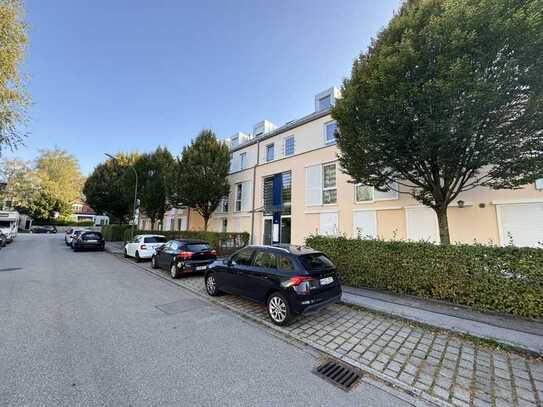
(91, 329)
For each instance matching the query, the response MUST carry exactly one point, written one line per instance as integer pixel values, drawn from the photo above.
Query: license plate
(92, 241)
(327, 280)
(201, 268)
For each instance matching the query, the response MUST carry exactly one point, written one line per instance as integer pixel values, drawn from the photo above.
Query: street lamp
(135, 192)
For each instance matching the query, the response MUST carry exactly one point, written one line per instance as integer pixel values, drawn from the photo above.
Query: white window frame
(291, 137)
(539, 184)
(242, 160)
(325, 128)
(323, 97)
(396, 197)
(272, 146)
(238, 197)
(329, 188)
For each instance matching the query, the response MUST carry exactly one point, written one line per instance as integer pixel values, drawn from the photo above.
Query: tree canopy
(110, 187)
(201, 175)
(13, 96)
(154, 170)
(447, 98)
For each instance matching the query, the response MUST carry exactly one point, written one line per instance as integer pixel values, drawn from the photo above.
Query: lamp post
(135, 192)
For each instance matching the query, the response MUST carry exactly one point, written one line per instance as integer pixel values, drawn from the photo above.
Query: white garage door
(364, 224)
(328, 224)
(521, 224)
(422, 224)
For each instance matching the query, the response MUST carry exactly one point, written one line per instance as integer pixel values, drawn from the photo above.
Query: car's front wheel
(173, 271)
(125, 254)
(211, 285)
(279, 309)
(138, 258)
(154, 263)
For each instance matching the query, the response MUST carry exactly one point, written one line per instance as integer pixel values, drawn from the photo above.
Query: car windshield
(5, 223)
(154, 239)
(316, 261)
(197, 247)
(92, 236)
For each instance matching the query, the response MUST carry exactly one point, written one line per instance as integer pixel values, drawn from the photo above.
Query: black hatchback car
(183, 256)
(290, 280)
(88, 240)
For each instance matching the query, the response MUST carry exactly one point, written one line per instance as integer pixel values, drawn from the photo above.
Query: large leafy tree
(154, 171)
(20, 184)
(447, 98)
(200, 177)
(13, 96)
(110, 187)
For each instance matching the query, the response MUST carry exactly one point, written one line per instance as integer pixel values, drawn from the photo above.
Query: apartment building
(286, 184)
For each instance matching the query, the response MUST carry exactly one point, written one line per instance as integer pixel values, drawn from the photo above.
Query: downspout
(254, 192)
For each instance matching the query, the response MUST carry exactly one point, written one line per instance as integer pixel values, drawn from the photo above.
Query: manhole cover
(182, 306)
(339, 374)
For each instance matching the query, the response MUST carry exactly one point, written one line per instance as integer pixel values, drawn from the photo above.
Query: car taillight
(143, 247)
(184, 255)
(300, 284)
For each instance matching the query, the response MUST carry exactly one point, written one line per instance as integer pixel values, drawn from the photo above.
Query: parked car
(143, 246)
(69, 238)
(43, 229)
(3, 240)
(88, 240)
(183, 256)
(290, 280)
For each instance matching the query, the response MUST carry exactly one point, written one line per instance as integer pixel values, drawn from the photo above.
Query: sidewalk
(513, 331)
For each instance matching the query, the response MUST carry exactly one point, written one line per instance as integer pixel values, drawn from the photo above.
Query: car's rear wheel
(74, 248)
(138, 258)
(278, 309)
(173, 271)
(154, 263)
(211, 285)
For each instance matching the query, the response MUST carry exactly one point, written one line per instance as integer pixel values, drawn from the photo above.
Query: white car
(143, 246)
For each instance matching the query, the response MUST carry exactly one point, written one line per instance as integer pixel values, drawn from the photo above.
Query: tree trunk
(443, 223)
(206, 220)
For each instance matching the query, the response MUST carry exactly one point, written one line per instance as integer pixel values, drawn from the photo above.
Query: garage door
(365, 224)
(521, 224)
(422, 224)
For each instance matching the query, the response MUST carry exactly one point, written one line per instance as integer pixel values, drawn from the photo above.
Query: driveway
(91, 329)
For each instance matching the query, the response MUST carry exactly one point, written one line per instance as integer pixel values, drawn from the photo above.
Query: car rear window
(154, 239)
(316, 261)
(92, 236)
(197, 247)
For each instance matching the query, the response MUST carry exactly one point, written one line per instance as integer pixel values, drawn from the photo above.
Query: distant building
(82, 212)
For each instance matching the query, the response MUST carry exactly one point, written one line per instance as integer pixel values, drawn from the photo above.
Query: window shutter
(328, 224)
(364, 224)
(313, 185)
(246, 196)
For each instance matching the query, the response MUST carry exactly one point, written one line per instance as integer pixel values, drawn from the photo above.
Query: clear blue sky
(128, 75)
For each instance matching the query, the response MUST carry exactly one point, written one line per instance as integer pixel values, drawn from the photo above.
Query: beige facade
(301, 150)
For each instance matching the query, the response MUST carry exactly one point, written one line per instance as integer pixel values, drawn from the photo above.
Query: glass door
(268, 226)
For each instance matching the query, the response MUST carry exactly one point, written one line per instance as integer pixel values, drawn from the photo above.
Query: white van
(9, 224)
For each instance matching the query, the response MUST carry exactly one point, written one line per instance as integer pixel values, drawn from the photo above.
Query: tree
(21, 184)
(153, 173)
(13, 97)
(449, 97)
(61, 180)
(200, 178)
(110, 187)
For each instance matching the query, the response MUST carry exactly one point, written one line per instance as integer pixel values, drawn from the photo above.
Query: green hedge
(115, 232)
(503, 279)
(224, 243)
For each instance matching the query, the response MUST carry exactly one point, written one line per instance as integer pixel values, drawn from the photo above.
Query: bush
(115, 232)
(224, 243)
(503, 279)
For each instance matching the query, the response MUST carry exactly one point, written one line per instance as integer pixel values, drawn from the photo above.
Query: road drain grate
(339, 374)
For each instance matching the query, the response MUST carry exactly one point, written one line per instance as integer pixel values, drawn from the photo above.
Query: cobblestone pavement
(437, 366)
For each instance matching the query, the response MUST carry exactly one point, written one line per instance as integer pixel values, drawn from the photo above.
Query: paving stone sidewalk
(437, 366)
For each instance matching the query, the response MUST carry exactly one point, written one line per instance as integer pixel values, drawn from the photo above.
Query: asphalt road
(88, 329)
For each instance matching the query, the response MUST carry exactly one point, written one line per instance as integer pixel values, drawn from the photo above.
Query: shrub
(224, 243)
(115, 232)
(60, 222)
(489, 278)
